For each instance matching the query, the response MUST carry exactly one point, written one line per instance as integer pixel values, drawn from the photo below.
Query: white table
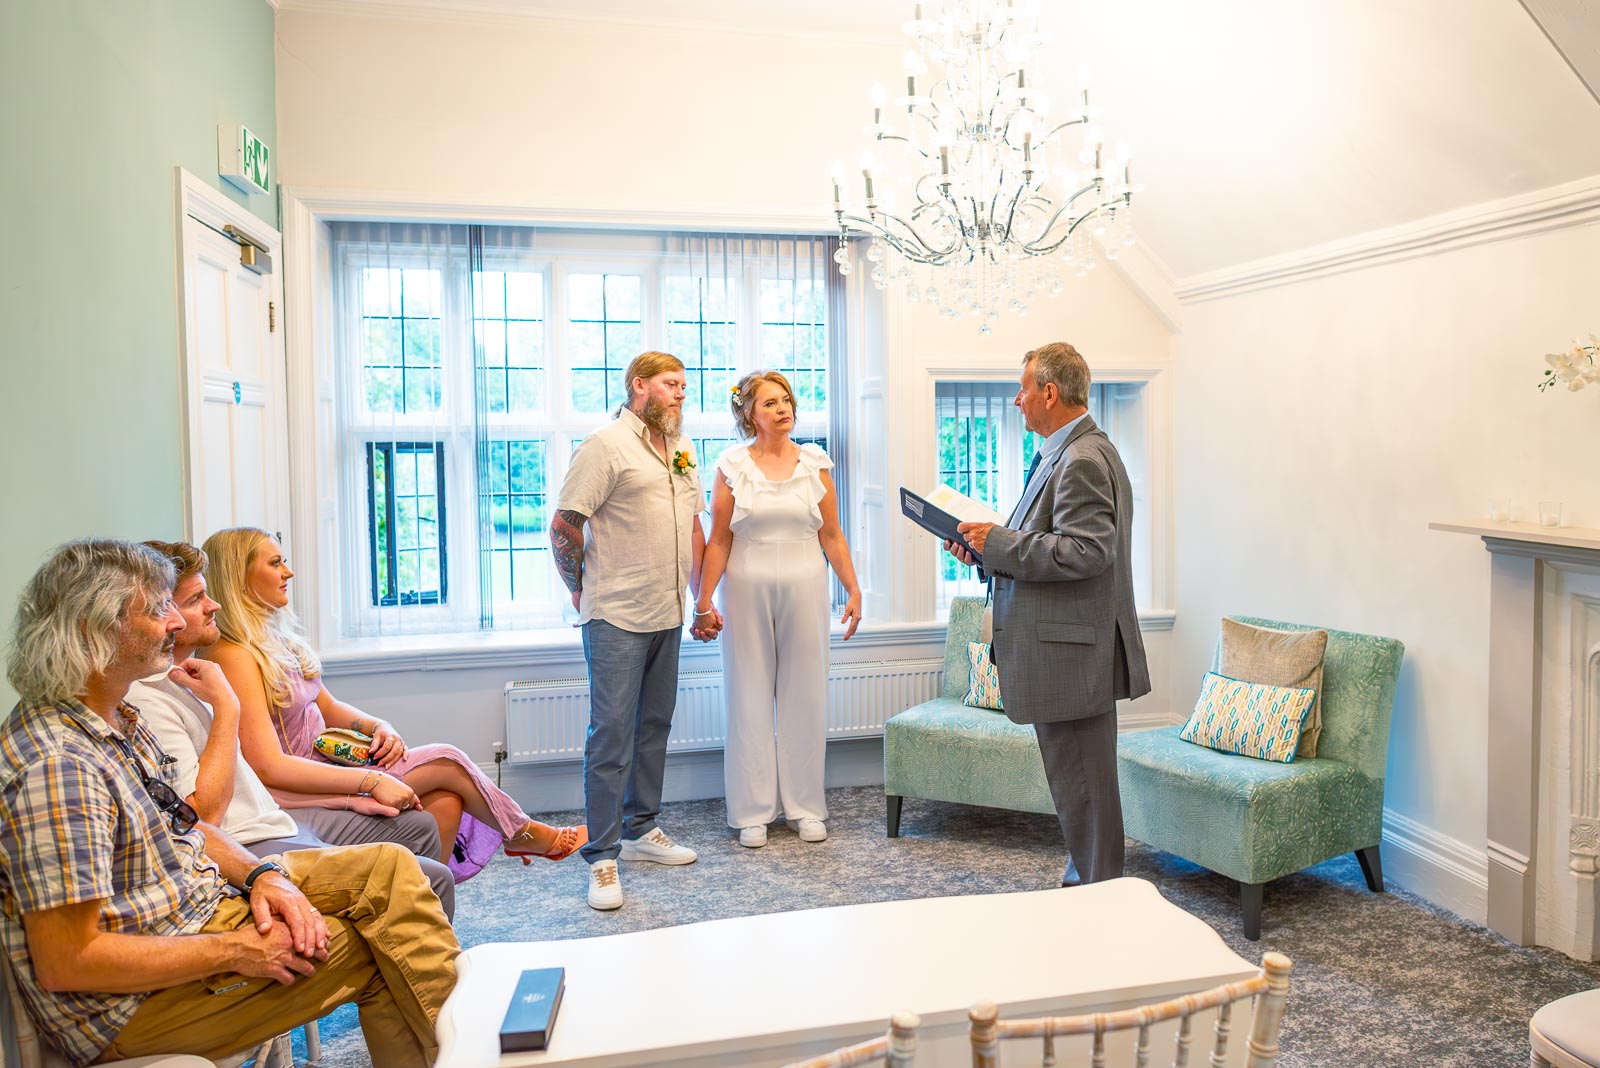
(764, 990)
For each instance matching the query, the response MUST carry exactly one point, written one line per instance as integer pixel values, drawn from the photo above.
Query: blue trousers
(633, 690)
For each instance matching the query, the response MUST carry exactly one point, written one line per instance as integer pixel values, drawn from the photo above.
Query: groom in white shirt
(194, 714)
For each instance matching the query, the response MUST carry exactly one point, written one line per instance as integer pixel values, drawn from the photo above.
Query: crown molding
(338, 203)
(1554, 208)
(516, 13)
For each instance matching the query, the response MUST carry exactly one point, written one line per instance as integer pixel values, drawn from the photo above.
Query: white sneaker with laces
(657, 847)
(753, 837)
(605, 889)
(810, 830)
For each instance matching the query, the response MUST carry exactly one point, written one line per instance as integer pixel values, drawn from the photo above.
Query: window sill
(549, 647)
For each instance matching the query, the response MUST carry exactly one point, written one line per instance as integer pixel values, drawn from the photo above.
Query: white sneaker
(656, 846)
(605, 889)
(753, 837)
(810, 830)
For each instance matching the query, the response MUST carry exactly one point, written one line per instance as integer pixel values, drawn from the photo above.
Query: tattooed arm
(566, 541)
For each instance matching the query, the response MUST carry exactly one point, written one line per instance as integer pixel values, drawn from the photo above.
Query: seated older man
(115, 907)
(194, 714)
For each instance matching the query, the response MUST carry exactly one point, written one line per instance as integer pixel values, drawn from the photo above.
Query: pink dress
(476, 842)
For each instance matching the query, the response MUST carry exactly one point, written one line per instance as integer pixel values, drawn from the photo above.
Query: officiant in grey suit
(1066, 634)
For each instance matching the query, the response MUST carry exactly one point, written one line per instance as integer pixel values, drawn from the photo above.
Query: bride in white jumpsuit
(774, 519)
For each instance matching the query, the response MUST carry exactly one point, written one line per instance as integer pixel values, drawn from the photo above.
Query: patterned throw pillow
(983, 679)
(1249, 718)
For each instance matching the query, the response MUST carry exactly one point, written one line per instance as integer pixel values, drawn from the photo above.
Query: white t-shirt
(181, 722)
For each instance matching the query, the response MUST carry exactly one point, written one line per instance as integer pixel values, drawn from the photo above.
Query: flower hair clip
(735, 391)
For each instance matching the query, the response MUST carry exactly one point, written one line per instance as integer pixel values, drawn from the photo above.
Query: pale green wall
(99, 101)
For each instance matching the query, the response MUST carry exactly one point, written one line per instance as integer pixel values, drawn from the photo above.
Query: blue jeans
(633, 690)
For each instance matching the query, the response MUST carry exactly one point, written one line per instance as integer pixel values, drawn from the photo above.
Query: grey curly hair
(70, 614)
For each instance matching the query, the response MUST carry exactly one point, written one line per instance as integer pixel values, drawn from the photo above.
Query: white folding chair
(896, 1048)
(1268, 990)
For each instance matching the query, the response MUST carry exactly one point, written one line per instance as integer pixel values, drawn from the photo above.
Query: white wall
(500, 111)
(1319, 428)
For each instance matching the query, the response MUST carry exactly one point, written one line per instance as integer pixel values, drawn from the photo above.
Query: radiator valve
(499, 758)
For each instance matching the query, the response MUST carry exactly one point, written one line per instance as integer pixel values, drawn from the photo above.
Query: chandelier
(996, 194)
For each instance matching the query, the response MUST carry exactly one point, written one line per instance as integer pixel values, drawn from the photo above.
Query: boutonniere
(682, 462)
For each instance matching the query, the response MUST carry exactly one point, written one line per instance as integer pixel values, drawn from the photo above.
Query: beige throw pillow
(1278, 658)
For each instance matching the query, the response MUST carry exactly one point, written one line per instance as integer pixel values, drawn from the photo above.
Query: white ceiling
(1259, 127)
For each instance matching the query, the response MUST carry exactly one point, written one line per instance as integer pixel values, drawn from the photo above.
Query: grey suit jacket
(1063, 589)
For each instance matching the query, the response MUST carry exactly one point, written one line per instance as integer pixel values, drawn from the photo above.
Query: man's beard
(662, 419)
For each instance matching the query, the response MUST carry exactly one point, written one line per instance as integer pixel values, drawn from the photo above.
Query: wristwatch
(259, 870)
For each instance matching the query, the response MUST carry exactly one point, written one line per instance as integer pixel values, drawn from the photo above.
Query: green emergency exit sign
(243, 159)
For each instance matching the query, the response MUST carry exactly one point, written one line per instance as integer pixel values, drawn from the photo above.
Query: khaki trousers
(390, 950)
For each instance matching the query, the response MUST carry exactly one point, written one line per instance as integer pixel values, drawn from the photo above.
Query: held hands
(707, 623)
(205, 680)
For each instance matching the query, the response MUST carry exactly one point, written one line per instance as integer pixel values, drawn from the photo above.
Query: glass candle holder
(1549, 513)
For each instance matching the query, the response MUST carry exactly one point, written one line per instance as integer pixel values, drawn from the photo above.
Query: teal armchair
(1255, 820)
(943, 750)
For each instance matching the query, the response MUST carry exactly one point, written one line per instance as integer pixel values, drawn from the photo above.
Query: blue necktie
(1032, 468)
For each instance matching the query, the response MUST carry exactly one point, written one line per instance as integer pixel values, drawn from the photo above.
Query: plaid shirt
(76, 825)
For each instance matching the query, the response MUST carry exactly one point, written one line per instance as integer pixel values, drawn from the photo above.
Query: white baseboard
(689, 777)
(1436, 867)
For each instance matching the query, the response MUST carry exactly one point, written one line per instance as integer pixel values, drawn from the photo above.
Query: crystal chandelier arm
(1079, 121)
(912, 245)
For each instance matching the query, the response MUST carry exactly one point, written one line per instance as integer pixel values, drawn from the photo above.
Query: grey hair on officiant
(1059, 363)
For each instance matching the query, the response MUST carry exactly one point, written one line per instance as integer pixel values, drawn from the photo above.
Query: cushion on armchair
(983, 679)
(1248, 718)
(1277, 658)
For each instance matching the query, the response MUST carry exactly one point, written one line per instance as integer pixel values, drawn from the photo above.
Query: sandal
(568, 841)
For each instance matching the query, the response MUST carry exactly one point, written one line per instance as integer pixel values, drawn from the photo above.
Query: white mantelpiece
(1544, 675)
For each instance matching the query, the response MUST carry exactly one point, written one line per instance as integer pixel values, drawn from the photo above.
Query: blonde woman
(774, 518)
(284, 706)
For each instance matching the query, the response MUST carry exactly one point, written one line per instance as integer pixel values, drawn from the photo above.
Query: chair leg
(894, 813)
(313, 1043)
(1250, 900)
(1371, 867)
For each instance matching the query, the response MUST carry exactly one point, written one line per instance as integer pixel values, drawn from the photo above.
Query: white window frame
(559, 424)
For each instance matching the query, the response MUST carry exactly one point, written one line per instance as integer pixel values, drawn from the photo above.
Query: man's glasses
(179, 811)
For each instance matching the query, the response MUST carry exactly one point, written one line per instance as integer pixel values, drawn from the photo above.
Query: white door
(237, 442)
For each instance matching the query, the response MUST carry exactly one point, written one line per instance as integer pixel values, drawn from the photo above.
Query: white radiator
(547, 721)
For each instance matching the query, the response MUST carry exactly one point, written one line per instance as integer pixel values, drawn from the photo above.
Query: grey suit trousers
(1080, 762)
(324, 827)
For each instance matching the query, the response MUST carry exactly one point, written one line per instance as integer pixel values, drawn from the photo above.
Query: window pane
(380, 291)
(519, 548)
(622, 296)
(382, 390)
(406, 505)
(419, 289)
(586, 297)
(400, 328)
(524, 295)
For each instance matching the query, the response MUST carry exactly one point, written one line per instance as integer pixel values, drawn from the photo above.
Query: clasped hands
(707, 624)
(289, 937)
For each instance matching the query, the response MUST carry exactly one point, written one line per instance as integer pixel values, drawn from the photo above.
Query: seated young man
(114, 905)
(194, 714)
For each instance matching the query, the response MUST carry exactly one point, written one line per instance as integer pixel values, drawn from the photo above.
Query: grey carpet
(1378, 979)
